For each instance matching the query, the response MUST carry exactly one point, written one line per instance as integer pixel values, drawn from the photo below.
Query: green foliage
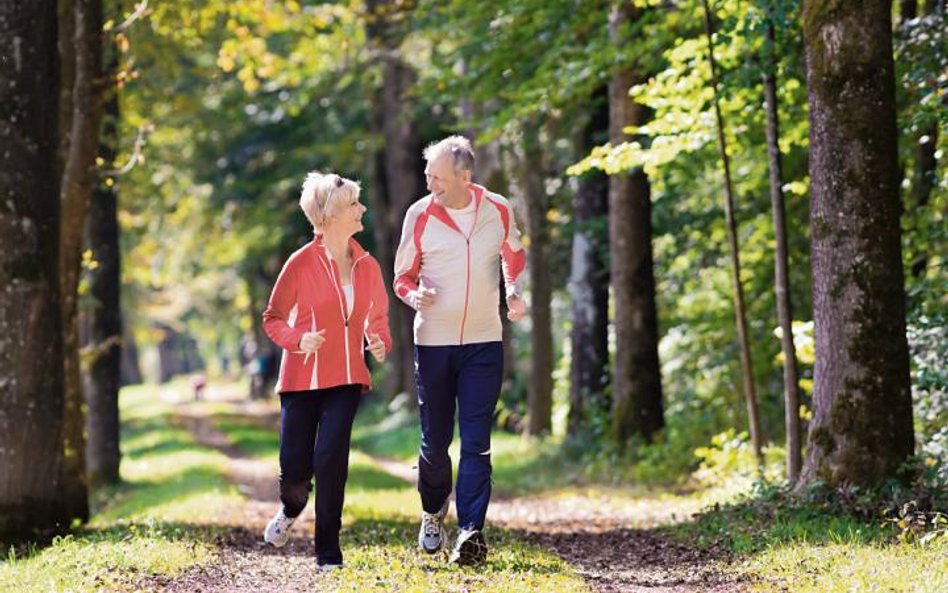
(928, 343)
(730, 462)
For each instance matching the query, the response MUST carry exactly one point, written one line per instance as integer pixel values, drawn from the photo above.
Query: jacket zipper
(467, 285)
(341, 297)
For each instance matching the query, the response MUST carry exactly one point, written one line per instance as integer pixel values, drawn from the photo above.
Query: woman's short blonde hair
(323, 194)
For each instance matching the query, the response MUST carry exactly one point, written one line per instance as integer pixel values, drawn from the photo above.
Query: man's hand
(312, 341)
(516, 309)
(376, 347)
(423, 298)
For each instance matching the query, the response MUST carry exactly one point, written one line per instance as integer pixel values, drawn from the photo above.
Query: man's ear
(466, 175)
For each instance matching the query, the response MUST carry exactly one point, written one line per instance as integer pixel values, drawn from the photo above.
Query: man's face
(442, 180)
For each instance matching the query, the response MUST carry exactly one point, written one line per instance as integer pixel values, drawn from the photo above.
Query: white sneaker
(470, 549)
(329, 567)
(278, 530)
(431, 535)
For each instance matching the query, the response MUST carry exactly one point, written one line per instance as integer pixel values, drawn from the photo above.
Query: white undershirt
(464, 217)
(347, 289)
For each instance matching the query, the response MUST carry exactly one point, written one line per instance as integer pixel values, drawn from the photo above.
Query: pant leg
(338, 407)
(436, 381)
(299, 412)
(479, 379)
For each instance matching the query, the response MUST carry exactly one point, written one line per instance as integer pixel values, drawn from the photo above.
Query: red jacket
(308, 297)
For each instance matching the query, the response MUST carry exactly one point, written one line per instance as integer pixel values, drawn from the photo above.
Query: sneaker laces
(432, 523)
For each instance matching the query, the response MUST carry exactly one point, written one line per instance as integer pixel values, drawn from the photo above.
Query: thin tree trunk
(540, 389)
(637, 408)
(861, 431)
(31, 370)
(750, 392)
(104, 321)
(908, 9)
(589, 280)
(67, 75)
(925, 177)
(79, 176)
(791, 385)
(131, 373)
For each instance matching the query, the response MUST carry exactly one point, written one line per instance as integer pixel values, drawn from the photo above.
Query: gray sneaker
(431, 536)
(470, 549)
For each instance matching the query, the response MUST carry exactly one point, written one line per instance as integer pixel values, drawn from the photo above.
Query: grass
(140, 527)
(146, 526)
(787, 543)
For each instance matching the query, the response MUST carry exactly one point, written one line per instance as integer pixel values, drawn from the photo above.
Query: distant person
(453, 243)
(328, 305)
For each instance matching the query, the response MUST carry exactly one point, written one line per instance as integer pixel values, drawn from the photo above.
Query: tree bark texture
(862, 426)
(589, 280)
(104, 322)
(637, 408)
(540, 389)
(791, 384)
(78, 181)
(31, 370)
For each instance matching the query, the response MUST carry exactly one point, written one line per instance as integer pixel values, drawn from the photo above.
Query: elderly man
(446, 268)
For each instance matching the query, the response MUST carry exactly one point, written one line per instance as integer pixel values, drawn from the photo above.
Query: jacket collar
(320, 247)
(441, 213)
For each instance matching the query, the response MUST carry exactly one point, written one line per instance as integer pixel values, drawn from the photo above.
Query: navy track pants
(466, 378)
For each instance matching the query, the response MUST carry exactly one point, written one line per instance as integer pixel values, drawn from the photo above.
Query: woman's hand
(312, 341)
(376, 347)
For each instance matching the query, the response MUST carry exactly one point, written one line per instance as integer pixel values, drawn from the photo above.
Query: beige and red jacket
(435, 253)
(307, 297)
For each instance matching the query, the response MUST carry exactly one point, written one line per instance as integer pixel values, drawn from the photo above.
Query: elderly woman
(328, 303)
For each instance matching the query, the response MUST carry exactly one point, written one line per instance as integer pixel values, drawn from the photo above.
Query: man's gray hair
(458, 147)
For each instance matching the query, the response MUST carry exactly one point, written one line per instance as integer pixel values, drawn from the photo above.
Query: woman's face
(348, 216)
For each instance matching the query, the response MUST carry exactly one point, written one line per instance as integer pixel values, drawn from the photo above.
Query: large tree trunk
(540, 389)
(403, 165)
(636, 383)
(791, 385)
(31, 371)
(78, 181)
(104, 322)
(589, 280)
(862, 426)
(740, 312)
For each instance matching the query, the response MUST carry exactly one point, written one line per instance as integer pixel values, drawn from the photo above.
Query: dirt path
(588, 531)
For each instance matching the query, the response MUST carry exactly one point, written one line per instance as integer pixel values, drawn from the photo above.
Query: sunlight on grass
(101, 561)
(854, 567)
(146, 525)
(384, 558)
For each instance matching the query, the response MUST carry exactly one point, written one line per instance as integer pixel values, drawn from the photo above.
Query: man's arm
(408, 261)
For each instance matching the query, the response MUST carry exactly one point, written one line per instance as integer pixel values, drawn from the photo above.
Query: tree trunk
(791, 387)
(131, 373)
(540, 388)
(403, 164)
(31, 371)
(104, 321)
(637, 408)
(589, 280)
(747, 367)
(862, 426)
(925, 177)
(79, 177)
